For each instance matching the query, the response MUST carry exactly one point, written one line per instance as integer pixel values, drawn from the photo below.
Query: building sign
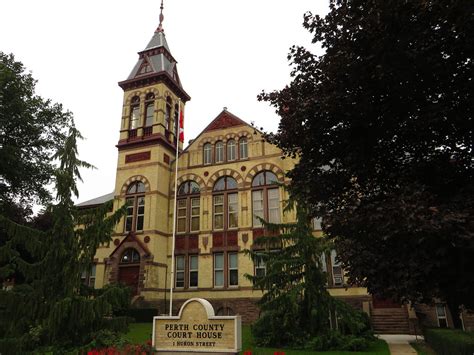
(197, 329)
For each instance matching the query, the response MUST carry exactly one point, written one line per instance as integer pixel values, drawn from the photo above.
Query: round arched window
(265, 198)
(188, 207)
(135, 200)
(225, 204)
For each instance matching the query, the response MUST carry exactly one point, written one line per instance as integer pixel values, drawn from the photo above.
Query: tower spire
(160, 26)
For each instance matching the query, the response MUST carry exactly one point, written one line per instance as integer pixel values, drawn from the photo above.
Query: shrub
(117, 324)
(450, 342)
(142, 315)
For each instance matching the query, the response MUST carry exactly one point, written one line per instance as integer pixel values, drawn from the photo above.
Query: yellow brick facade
(140, 253)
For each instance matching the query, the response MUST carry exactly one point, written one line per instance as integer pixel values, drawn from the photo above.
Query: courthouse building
(225, 180)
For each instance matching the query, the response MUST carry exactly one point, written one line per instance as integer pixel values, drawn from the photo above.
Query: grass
(139, 333)
(422, 348)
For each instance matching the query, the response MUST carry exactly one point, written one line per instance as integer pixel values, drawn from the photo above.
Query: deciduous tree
(382, 126)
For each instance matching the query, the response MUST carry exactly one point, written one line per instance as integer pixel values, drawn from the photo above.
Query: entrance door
(128, 275)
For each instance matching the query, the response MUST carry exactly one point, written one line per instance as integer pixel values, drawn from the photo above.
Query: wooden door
(128, 275)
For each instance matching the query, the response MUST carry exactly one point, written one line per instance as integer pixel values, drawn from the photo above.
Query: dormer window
(134, 112)
(149, 109)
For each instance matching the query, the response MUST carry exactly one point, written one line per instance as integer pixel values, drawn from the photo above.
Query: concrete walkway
(399, 343)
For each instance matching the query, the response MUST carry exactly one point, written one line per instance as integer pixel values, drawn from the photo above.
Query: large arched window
(231, 150)
(135, 200)
(149, 109)
(207, 153)
(168, 113)
(219, 152)
(265, 198)
(243, 151)
(188, 208)
(225, 204)
(134, 113)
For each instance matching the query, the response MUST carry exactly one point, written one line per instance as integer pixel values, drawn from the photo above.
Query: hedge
(450, 341)
(142, 315)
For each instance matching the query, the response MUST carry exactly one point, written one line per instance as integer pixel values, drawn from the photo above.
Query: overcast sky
(227, 51)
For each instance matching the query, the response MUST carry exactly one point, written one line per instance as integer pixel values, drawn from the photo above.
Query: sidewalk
(399, 343)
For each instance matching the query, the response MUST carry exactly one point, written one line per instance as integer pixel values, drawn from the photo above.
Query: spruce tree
(296, 307)
(51, 307)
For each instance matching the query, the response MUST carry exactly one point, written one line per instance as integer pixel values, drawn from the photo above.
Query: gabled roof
(225, 119)
(96, 201)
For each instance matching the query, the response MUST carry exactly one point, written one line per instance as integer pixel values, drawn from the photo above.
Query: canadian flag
(181, 126)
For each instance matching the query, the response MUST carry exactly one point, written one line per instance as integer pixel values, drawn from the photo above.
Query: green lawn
(141, 332)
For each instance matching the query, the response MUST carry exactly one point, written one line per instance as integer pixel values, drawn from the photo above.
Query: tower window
(207, 152)
(135, 201)
(149, 109)
(231, 150)
(168, 113)
(265, 198)
(219, 152)
(243, 153)
(135, 113)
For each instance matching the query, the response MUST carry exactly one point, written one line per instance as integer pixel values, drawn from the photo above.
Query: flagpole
(177, 134)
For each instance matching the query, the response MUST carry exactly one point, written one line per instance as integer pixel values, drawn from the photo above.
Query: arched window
(243, 152)
(265, 198)
(176, 121)
(226, 215)
(188, 208)
(149, 109)
(134, 113)
(135, 200)
(219, 152)
(231, 150)
(130, 256)
(168, 113)
(207, 153)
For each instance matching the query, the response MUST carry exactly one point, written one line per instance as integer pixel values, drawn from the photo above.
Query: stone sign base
(196, 329)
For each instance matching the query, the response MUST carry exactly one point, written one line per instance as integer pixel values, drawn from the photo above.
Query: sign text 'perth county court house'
(197, 329)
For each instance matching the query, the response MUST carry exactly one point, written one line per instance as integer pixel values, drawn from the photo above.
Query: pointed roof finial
(160, 26)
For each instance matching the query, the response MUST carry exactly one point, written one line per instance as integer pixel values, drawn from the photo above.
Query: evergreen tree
(297, 310)
(51, 307)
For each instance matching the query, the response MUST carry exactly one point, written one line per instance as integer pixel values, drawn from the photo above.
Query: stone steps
(390, 320)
